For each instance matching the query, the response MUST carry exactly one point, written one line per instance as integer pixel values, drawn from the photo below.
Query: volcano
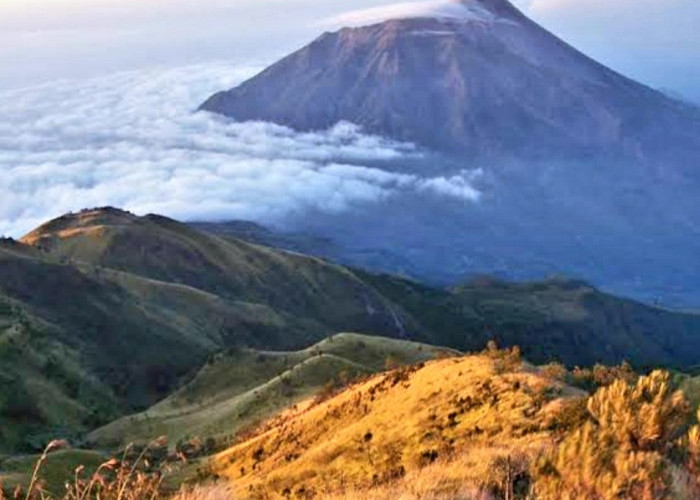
(585, 172)
(473, 77)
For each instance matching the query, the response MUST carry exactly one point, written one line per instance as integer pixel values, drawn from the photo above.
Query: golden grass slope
(485, 426)
(455, 417)
(241, 386)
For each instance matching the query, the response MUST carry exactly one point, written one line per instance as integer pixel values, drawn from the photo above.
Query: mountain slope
(580, 171)
(395, 424)
(481, 426)
(561, 319)
(79, 347)
(46, 389)
(481, 80)
(103, 313)
(158, 248)
(237, 388)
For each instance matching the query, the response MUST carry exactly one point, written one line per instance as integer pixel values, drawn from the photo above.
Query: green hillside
(59, 467)
(45, 387)
(558, 319)
(103, 314)
(241, 386)
(81, 345)
(90, 330)
(320, 293)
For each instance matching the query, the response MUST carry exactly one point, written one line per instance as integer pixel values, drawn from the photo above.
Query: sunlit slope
(391, 426)
(107, 313)
(241, 386)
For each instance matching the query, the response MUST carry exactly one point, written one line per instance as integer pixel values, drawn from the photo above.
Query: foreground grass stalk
(52, 446)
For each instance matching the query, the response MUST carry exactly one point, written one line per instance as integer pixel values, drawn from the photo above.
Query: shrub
(625, 450)
(555, 371)
(599, 376)
(694, 454)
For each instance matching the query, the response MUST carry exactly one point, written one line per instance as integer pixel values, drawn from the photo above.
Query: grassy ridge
(322, 294)
(477, 426)
(241, 386)
(397, 423)
(103, 313)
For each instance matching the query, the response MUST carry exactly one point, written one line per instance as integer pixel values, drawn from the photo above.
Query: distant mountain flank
(155, 247)
(583, 171)
(475, 78)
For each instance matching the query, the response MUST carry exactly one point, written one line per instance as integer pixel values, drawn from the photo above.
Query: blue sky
(655, 41)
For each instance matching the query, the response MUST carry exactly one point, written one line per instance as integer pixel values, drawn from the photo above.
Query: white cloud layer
(132, 140)
(440, 9)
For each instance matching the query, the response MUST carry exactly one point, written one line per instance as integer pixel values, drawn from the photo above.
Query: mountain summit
(585, 172)
(459, 10)
(474, 77)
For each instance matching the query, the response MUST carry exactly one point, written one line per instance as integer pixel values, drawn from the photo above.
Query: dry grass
(467, 414)
(443, 480)
(240, 388)
(480, 427)
(634, 445)
(128, 478)
(219, 491)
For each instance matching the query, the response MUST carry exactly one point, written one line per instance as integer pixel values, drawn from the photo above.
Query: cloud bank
(441, 9)
(132, 140)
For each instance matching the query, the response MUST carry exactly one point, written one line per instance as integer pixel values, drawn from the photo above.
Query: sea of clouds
(133, 140)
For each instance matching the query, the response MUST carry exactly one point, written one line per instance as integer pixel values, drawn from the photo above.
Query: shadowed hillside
(165, 250)
(560, 319)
